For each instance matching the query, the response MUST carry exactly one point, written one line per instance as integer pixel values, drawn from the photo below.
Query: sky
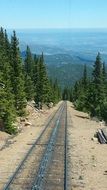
(18, 14)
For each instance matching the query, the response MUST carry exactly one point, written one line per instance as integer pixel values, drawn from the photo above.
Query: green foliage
(29, 88)
(28, 63)
(17, 76)
(45, 91)
(104, 111)
(67, 74)
(91, 95)
(56, 92)
(12, 95)
(66, 94)
(97, 72)
(7, 109)
(20, 82)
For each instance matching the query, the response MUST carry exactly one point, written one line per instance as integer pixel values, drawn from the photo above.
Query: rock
(22, 119)
(27, 123)
(95, 135)
(94, 165)
(102, 123)
(95, 119)
(105, 172)
(94, 139)
(80, 177)
(18, 128)
(50, 105)
(93, 148)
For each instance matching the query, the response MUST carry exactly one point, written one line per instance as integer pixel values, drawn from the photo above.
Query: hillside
(88, 158)
(66, 68)
(67, 74)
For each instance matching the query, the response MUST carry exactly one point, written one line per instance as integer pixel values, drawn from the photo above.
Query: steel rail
(65, 164)
(56, 175)
(38, 184)
(30, 150)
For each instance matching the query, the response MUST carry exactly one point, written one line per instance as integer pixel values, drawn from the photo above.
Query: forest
(22, 81)
(89, 94)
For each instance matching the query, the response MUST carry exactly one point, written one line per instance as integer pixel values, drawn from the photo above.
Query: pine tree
(66, 94)
(42, 83)
(7, 47)
(29, 62)
(98, 86)
(104, 94)
(84, 79)
(91, 96)
(19, 83)
(35, 73)
(7, 110)
(35, 69)
(104, 73)
(56, 92)
(76, 90)
(29, 88)
(97, 72)
(17, 76)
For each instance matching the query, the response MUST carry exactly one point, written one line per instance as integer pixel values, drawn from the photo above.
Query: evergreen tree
(19, 83)
(7, 47)
(98, 86)
(104, 73)
(35, 73)
(84, 79)
(91, 96)
(35, 69)
(71, 94)
(29, 62)
(17, 76)
(76, 91)
(7, 110)
(42, 83)
(79, 95)
(29, 88)
(66, 94)
(56, 92)
(97, 72)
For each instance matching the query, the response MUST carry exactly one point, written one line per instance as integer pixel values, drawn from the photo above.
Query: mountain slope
(67, 74)
(66, 68)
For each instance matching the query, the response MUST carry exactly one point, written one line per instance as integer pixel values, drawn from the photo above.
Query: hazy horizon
(85, 43)
(76, 28)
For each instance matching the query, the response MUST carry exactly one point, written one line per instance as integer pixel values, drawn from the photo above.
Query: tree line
(90, 94)
(22, 81)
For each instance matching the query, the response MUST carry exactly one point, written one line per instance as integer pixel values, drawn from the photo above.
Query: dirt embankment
(13, 149)
(88, 158)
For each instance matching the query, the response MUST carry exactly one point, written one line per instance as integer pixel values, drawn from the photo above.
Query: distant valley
(65, 68)
(66, 51)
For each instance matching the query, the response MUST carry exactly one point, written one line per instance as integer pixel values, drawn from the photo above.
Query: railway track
(45, 165)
